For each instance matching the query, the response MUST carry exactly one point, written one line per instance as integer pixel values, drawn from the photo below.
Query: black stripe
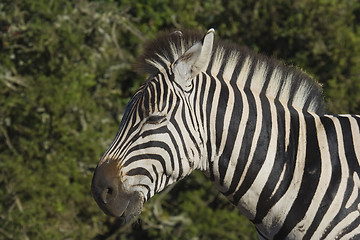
(147, 188)
(209, 102)
(140, 171)
(266, 202)
(145, 99)
(220, 114)
(202, 84)
(152, 95)
(260, 151)
(158, 81)
(249, 130)
(156, 179)
(246, 144)
(185, 120)
(349, 145)
(158, 144)
(310, 180)
(343, 212)
(226, 55)
(237, 70)
(335, 177)
(167, 180)
(357, 118)
(198, 104)
(125, 128)
(250, 74)
(232, 133)
(281, 85)
(164, 93)
(139, 157)
(269, 70)
(178, 130)
(351, 227)
(170, 102)
(186, 130)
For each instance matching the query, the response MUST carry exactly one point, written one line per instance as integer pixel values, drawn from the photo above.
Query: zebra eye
(156, 119)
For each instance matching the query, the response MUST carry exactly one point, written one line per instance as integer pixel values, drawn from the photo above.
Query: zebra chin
(111, 196)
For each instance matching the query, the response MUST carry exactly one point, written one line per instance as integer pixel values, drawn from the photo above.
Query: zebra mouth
(133, 208)
(122, 205)
(131, 212)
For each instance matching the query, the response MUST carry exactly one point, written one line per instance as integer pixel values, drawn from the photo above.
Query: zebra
(257, 128)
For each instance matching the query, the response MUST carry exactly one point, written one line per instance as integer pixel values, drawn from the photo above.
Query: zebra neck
(245, 137)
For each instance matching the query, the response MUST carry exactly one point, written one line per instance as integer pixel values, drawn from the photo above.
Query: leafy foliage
(65, 77)
(60, 95)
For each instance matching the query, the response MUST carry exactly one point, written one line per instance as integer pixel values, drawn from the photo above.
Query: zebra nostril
(107, 195)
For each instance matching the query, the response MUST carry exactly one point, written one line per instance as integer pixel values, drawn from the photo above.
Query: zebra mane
(286, 83)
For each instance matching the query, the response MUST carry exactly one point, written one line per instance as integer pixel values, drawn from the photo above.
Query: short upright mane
(287, 84)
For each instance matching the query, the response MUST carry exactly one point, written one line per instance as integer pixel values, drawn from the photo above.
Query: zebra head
(159, 140)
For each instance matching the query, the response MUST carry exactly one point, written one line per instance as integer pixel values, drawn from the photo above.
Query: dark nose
(105, 182)
(107, 189)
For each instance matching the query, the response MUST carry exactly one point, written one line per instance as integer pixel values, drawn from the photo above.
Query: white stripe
(287, 120)
(352, 234)
(218, 59)
(226, 128)
(313, 105)
(285, 90)
(274, 84)
(355, 192)
(244, 73)
(154, 63)
(287, 127)
(355, 136)
(212, 135)
(238, 144)
(161, 83)
(230, 66)
(159, 151)
(174, 150)
(174, 51)
(335, 206)
(251, 197)
(301, 95)
(250, 205)
(116, 149)
(342, 225)
(281, 178)
(205, 162)
(185, 162)
(283, 206)
(258, 78)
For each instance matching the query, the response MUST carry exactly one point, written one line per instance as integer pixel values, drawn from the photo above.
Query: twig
(114, 39)
(18, 203)
(132, 29)
(7, 235)
(8, 141)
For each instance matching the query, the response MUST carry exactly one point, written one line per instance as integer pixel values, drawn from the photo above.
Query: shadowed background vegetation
(66, 76)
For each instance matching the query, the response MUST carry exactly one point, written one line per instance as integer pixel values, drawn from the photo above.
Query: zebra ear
(193, 61)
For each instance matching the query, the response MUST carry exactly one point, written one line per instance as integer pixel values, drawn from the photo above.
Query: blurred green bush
(65, 77)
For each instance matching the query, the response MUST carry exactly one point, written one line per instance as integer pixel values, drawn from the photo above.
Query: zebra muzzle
(110, 194)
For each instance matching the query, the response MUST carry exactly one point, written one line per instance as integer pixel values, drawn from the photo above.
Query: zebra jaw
(111, 196)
